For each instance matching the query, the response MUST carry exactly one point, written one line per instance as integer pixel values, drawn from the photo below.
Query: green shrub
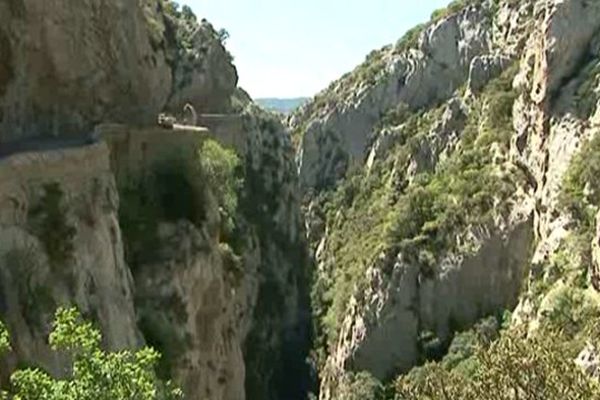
(4, 339)
(580, 195)
(95, 374)
(410, 39)
(171, 191)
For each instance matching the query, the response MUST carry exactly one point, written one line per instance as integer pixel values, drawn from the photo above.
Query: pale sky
(292, 48)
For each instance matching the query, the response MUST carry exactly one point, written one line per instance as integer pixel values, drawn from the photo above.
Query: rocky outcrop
(60, 244)
(66, 68)
(191, 306)
(229, 312)
(589, 361)
(202, 69)
(485, 68)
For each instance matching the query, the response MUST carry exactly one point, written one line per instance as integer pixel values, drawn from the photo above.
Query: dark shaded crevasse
(6, 66)
(276, 352)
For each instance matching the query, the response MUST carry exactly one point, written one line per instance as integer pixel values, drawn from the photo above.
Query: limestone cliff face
(60, 244)
(555, 116)
(228, 316)
(66, 67)
(228, 312)
(367, 120)
(338, 126)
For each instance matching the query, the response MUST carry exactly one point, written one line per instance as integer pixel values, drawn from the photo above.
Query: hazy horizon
(287, 49)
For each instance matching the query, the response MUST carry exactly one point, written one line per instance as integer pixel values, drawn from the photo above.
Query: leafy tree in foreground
(96, 374)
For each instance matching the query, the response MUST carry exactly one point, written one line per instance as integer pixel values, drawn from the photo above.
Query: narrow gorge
(427, 227)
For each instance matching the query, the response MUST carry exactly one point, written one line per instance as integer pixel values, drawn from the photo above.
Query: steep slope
(439, 190)
(420, 71)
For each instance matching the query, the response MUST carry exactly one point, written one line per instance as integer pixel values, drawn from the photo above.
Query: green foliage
(452, 8)
(588, 92)
(222, 169)
(359, 386)
(48, 221)
(568, 309)
(171, 8)
(4, 339)
(95, 374)
(395, 116)
(513, 367)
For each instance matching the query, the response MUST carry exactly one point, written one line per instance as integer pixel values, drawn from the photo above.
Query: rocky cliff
(61, 244)
(444, 185)
(68, 67)
(190, 241)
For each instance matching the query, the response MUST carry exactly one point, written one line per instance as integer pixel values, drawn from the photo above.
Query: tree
(96, 374)
(223, 35)
(513, 367)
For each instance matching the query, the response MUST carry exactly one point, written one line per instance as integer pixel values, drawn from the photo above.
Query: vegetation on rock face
(513, 367)
(382, 210)
(580, 194)
(95, 374)
(275, 349)
(221, 169)
(489, 364)
(4, 339)
(373, 68)
(588, 92)
(48, 221)
(180, 189)
(539, 363)
(170, 192)
(165, 194)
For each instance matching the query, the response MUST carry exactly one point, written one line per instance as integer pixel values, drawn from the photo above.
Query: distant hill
(282, 105)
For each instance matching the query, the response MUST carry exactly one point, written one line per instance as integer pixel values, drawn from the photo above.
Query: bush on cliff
(221, 168)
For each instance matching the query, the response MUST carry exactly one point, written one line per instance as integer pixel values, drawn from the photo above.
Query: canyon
(444, 190)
